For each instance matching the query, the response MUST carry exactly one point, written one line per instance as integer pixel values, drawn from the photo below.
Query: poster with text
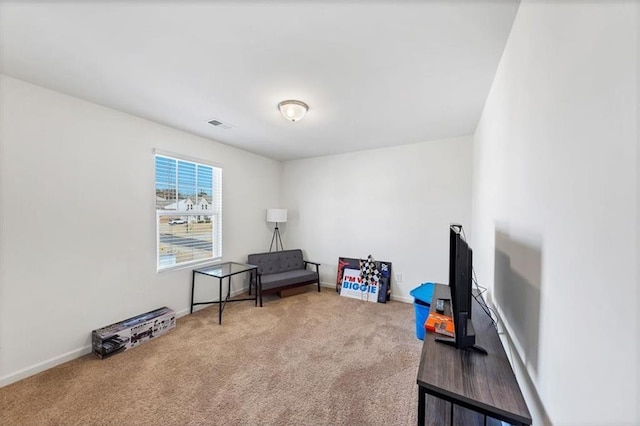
(352, 286)
(384, 268)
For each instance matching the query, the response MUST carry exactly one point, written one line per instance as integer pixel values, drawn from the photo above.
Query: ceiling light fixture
(293, 110)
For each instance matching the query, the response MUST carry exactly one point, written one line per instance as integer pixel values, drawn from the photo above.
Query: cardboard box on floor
(127, 334)
(293, 291)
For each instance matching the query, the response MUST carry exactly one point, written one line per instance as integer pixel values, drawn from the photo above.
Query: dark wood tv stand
(466, 386)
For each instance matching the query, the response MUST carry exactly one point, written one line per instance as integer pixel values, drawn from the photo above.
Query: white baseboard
(402, 299)
(328, 285)
(526, 380)
(187, 311)
(69, 356)
(45, 365)
(183, 313)
(77, 353)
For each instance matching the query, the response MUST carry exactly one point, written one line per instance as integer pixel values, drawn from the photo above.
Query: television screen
(461, 285)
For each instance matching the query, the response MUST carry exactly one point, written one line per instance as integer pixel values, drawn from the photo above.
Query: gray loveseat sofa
(281, 270)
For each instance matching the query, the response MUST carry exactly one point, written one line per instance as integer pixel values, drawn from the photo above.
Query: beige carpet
(310, 359)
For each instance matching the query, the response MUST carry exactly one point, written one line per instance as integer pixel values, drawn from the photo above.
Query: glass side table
(222, 271)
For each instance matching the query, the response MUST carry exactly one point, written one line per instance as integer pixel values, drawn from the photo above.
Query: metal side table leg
(251, 277)
(193, 282)
(220, 301)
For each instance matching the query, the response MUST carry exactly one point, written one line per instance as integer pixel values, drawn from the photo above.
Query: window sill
(189, 265)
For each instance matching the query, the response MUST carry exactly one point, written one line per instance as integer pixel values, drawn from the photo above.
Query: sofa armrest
(306, 263)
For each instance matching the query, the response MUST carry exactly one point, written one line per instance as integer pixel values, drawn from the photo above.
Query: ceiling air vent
(219, 124)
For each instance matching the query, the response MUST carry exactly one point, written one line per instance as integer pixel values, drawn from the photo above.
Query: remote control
(440, 306)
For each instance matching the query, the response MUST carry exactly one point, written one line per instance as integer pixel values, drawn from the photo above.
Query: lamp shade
(277, 215)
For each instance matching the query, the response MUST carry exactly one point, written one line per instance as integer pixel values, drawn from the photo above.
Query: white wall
(77, 221)
(394, 203)
(638, 185)
(555, 208)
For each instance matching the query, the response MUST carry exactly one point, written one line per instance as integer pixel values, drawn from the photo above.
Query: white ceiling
(374, 73)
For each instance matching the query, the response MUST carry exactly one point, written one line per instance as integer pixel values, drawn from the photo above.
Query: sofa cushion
(287, 278)
(291, 260)
(277, 261)
(267, 263)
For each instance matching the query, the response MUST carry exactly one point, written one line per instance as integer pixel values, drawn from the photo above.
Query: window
(188, 211)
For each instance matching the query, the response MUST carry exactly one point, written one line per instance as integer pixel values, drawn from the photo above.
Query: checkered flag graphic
(369, 274)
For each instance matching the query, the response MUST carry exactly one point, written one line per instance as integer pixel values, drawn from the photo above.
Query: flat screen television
(461, 285)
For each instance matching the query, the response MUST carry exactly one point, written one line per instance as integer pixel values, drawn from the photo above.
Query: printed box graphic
(127, 334)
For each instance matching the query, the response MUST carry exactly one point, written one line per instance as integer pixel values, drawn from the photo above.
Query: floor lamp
(277, 216)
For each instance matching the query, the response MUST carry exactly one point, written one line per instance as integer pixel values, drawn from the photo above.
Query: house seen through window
(188, 211)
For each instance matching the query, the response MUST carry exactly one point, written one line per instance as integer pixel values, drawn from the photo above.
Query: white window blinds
(188, 211)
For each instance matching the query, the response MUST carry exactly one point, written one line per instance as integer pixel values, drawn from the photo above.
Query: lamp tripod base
(276, 238)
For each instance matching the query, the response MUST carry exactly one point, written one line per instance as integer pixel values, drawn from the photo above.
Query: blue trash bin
(422, 303)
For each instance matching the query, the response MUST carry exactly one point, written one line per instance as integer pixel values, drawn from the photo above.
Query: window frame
(213, 210)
